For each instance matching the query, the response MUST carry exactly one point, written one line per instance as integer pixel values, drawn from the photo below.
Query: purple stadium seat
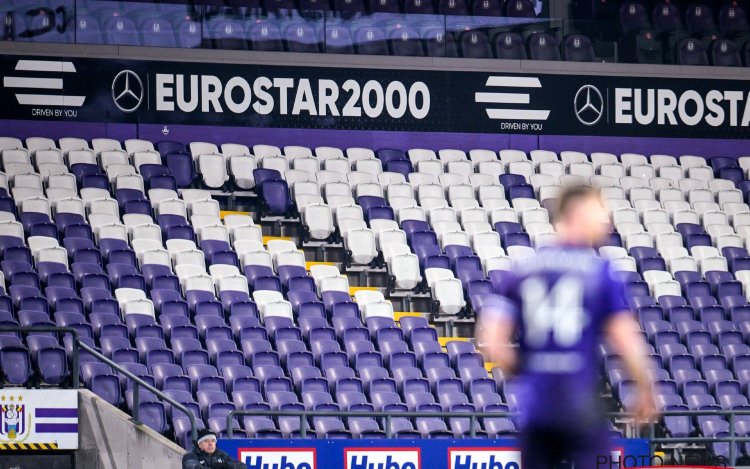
(487, 7)
(475, 45)
(157, 32)
(405, 41)
(226, 34)
(691, 52)
(438, 43)
(338, 40)
(519, 9)
(733, 20)
(633, 17)
(509, 45)
(725, 53)
(370, 41)
(180, 165)
(452, 7)
(543, 46)
(348, 8)
(578, 48)
(265, 37)
(699, 18)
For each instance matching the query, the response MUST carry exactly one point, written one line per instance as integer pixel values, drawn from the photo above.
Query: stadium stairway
(108, 439)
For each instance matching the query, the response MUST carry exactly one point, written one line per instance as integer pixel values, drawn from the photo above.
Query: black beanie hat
(203, 433)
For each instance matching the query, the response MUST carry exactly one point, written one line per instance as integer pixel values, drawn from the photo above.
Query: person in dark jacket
(205, 455)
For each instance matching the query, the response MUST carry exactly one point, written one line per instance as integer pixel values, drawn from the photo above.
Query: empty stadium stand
(124, 242)
(642, 31)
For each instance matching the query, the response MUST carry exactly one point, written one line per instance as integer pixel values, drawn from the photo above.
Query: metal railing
(388, 416)
(58, 330)
(732, 438)
(303, 415)
(473, 417)
(78, 345)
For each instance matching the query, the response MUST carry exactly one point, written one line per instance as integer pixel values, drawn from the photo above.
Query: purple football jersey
(560, 301)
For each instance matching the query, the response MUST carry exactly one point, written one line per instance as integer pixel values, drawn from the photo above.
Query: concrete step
(309, 264)
(353, 290)
(266, 239)
(397, 315)
(444, 340)
(224, 213)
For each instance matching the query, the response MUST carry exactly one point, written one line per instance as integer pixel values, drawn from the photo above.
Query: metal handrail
(138, 382)
(732, 438)
(303, 414)
(473, 416)
(78, 345)
(59, 330)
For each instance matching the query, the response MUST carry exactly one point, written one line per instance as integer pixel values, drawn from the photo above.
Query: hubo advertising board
(160, 92)
(407, 454)
(38, 419)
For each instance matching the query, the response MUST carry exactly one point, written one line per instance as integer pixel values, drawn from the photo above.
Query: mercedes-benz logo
(588, 105)
(127, 91)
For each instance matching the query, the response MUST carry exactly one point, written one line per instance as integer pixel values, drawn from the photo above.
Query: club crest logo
(15, 422)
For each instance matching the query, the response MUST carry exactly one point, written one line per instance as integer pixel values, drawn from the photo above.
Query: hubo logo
(503, 97)
(127, 91)
(484, 458)
(588, 105)
(382, 458)
(277, 458)
(43, 87)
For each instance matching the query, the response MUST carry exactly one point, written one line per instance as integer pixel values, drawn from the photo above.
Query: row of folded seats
(106, 165)
(698, 36)
(137, 13)
(211, 343)
(684, 238)
(400, 40)
(296, 36)
(579, 167)
(698, 349)
(179, 27)
(401, 215)
(698, 18)
(368, 225)
(192, 349)
(645, 48)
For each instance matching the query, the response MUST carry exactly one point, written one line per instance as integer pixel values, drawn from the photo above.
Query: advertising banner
(407, 454)
(220, 94)
(33, 419)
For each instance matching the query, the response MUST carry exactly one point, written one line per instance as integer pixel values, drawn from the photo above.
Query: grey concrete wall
(109, 440)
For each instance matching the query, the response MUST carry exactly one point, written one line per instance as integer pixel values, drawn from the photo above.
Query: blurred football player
(561, 304)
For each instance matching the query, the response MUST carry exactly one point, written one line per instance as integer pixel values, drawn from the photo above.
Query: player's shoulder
(561, 258)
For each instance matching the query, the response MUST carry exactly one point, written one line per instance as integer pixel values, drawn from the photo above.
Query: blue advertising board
(406, 454)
